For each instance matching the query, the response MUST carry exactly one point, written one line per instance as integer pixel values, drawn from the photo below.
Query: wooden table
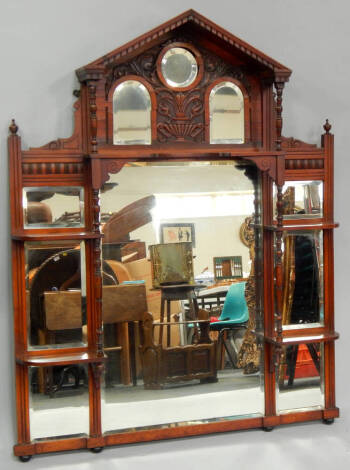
(176, 292)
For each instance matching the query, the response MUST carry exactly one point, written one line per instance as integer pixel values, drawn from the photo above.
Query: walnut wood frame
(87, 158)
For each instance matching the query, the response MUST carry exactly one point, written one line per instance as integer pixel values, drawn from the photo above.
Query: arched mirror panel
(131, 114)
(226, 109)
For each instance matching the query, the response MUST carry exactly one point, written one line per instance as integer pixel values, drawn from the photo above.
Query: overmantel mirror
(173, 259)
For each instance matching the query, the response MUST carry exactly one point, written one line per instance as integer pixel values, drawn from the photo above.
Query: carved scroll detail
(268, 164)
(97, 272)
(291, 143)
(249, 356)
(278, 269)
(101, 169)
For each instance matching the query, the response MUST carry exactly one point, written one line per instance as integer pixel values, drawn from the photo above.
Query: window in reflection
(301, 377)
(58, 401)
(302, 199)
(131, 114)
(226, 108)
(46, 207)
(303, 302)
(55, 294)
(179, 352)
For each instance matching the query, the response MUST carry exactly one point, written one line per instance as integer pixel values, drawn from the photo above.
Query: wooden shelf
(59, 359)
(310, 226)
(300, 339)
(182, 149)
(25, 236)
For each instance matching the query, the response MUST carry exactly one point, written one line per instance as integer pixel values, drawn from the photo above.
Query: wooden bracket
(101, 170)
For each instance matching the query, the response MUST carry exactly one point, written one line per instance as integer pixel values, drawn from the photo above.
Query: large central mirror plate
(180, 308)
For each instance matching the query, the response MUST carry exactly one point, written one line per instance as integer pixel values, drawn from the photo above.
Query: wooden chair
(122, 304)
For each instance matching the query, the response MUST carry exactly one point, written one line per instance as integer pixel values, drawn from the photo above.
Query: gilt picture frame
(177, 232)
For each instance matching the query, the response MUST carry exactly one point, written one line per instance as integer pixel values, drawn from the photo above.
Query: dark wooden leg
(292, 364)
(228, 352)
(168, 329)
(50, 382)
(221, 348)
(132, 352)
(162, 305)
(313, 353)
(122, 338)
(193, 305)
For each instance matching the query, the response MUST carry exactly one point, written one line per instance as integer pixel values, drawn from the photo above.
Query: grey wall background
(41, 44)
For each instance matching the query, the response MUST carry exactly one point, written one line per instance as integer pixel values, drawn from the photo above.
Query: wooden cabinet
(181, 127)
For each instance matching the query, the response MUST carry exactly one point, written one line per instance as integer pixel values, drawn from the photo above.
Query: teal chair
(234, 317)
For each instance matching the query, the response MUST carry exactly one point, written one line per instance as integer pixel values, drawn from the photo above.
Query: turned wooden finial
(13, 127)
(327, 127)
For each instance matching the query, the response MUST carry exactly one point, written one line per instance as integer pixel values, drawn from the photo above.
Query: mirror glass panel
(58, 401)
(302, 199)
(170, 366)
(55, 294)
(303, 292)
(179, 67)
(131, 114)
(300, 379)
(226, 107)
(46, 207)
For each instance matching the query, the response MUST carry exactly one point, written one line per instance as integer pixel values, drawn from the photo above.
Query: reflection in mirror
(46, 207)
(303, 302)
(302, 199)
(179, 67)
(301, 377)
(226, 108)
(58, 401)
(193, 357)
(55, 294)
(131, 114)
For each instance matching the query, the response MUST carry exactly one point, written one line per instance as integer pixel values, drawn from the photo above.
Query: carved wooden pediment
(197, 25)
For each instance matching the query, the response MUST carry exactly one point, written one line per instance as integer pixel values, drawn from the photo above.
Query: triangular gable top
(235, 44)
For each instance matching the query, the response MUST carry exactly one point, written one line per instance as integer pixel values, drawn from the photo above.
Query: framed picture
(175, 233)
